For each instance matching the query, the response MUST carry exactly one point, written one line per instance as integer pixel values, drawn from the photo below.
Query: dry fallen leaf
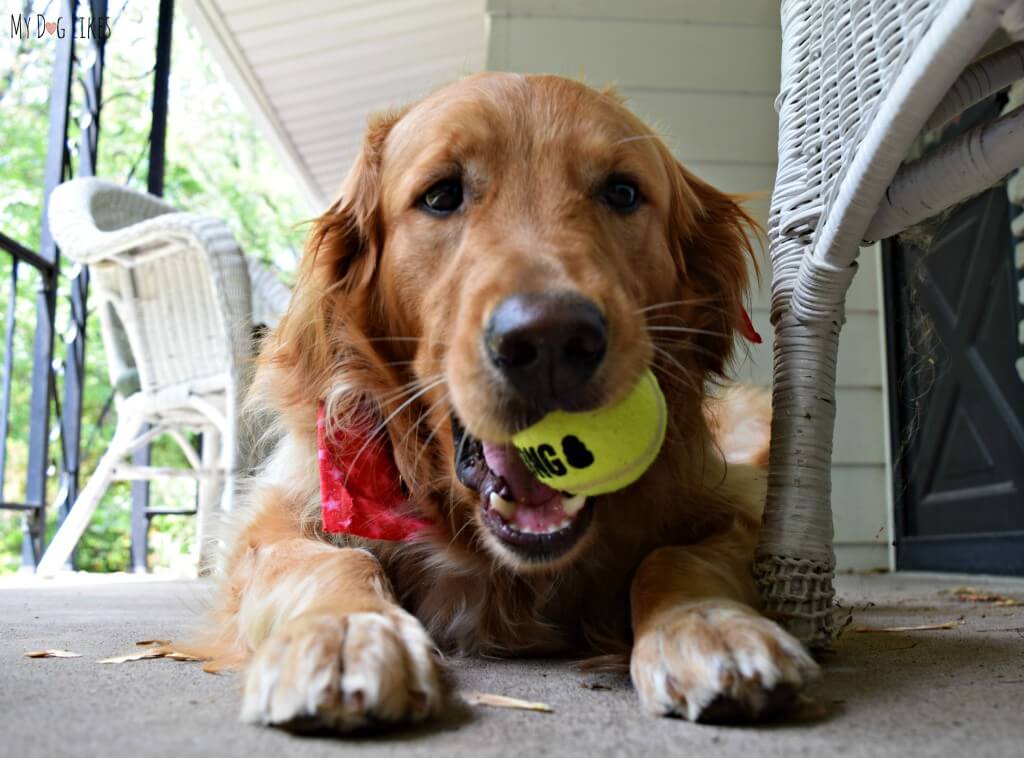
(52, 654)
(175, 655)
(148, 643)
(975, 595)
(151, 652)
(500, 701)
(156, 649)
(594, 686)
(920, 628)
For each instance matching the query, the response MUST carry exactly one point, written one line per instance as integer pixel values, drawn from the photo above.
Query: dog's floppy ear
(333, 287)
(345, 241)
(712, 234)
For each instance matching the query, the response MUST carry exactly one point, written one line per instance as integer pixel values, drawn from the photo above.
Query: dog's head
(509, 246)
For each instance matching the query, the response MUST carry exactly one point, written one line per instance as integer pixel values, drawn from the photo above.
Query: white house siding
(705, 74)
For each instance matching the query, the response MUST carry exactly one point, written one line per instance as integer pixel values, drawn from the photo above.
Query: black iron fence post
(155, 186)
(5, 394)
(91, 71)
(161, 77)
(46, 300)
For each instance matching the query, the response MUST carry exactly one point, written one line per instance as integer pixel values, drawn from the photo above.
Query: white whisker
(383, 424)
(686, 330)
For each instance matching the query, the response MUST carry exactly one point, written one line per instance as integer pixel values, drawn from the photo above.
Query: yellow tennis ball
(599, 451)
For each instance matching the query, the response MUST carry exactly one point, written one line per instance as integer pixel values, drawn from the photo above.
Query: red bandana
(360, 493)
(748, 329)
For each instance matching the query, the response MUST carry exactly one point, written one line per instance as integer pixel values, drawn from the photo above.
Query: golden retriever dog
(508, 246)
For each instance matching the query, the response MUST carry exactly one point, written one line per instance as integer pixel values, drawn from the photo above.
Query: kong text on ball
(599, 451)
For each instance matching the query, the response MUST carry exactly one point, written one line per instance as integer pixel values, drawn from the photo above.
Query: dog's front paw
(343, 673)
(718, 661)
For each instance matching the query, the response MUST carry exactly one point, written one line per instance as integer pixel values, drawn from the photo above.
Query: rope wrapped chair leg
(860, 80)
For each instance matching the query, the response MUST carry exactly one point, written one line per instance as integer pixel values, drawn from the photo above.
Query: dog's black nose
(547, 345)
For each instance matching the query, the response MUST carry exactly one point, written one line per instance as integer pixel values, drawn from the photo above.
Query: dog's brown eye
(443, 197)
(621, 195)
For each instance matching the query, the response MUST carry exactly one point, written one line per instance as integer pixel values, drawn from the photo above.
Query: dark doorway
(957, 399)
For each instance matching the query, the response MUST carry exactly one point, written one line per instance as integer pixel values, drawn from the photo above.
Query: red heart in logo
(51, 27)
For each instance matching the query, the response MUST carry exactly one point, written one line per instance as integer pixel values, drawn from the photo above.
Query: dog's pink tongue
(539, 508)
(524, 487)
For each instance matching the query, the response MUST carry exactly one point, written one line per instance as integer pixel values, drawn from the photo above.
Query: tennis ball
(599, 451)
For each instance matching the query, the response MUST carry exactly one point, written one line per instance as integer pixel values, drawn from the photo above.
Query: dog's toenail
(356, 699)
(418, 701)
(675, 691)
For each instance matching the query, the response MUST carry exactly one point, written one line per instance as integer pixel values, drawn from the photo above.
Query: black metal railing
(46, 262)
(142, 514)
(35, 510)
(46, 401)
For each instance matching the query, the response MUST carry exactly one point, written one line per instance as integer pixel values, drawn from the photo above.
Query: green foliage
(217, 163)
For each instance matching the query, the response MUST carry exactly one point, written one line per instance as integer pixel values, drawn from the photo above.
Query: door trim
(976, 553)
(997, 553)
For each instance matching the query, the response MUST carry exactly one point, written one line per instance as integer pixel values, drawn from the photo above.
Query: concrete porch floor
(947, 692)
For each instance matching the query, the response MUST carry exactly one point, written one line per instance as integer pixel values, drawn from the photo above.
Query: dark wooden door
(957, 397)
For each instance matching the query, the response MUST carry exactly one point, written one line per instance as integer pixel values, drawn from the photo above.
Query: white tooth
(503, 506)
(572, 505)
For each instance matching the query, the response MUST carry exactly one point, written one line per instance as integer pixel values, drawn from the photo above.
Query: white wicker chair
(270, 296)
(174, 287)
(861, 79)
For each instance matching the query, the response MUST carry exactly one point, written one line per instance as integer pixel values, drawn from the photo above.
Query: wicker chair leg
(795, 562)
(211, 491)
(128, 427)
(236, 444)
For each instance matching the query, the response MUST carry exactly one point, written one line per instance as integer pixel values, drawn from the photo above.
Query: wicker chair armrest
(982, 78)
(950, 173)
(91, 217)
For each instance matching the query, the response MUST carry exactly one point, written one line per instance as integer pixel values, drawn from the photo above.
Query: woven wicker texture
(860, 78)
(270, 296)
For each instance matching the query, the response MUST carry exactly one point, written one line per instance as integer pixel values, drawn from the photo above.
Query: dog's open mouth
(531, 519)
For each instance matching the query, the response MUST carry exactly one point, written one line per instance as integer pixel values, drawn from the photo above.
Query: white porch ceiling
(311, 73)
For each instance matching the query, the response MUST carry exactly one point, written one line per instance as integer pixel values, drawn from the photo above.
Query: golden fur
(384, 329)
